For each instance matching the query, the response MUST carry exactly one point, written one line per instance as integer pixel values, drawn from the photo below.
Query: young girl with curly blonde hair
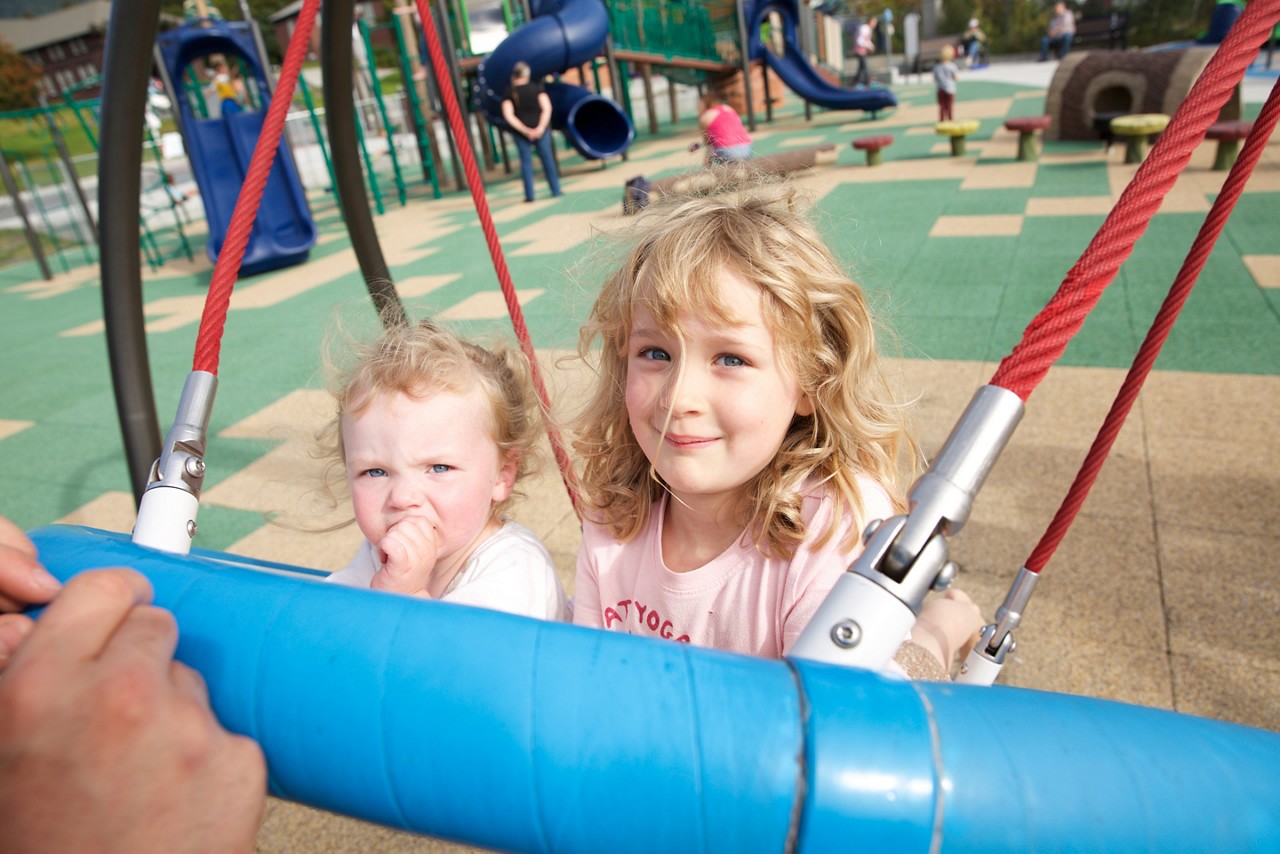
(740, 434)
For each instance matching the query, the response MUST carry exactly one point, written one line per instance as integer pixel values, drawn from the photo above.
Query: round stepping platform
(872, 145)
(1026, 127)
(957, 129)
(1136, 128)
(1228, 135)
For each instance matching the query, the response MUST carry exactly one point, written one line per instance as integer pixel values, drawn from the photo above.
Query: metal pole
(451, 55)
(746, 64)
(130, 36)
(65, 156)
(340, 119)
(33, 240)
(646, 77)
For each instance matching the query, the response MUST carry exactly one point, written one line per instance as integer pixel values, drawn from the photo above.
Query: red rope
(1150, 349)
(214, 320)
(1047, 336)
(472, 171)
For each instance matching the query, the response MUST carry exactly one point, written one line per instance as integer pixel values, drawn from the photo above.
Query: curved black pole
(126, 69)
(340, 121)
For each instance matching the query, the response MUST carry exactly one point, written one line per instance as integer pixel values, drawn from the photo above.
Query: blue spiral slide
(562, 34)
(521, 735)
(220, 150)
(794, 68)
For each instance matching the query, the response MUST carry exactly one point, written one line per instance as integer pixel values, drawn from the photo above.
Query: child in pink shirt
(722, 129)
(739, 438)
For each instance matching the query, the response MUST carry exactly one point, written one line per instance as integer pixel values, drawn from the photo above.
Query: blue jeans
(1062, 43)
(525, 147)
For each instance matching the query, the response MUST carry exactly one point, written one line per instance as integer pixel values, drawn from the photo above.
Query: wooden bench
(928, 55)
(1112, 29)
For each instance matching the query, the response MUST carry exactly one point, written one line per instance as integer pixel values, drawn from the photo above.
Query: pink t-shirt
(741, 601)
(726, 129)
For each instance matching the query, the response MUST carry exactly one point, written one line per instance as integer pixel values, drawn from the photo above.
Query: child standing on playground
(864, 44)
(739, 437)
(434, 433)
(726, 139)
(527, 109)
(944, 75)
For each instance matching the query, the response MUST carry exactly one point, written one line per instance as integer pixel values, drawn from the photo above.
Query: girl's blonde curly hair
(424, 359)
(823, 331)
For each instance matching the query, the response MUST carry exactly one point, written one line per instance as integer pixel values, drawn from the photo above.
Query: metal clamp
(167, 512)
(942, 498)
(988, 656)
(907, 556)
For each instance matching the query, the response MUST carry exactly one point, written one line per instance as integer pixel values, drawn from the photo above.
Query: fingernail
(44, 579)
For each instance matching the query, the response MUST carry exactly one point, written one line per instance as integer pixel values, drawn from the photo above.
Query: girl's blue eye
(657, 354)
(440, 468)
(729, 360)
(375, 473)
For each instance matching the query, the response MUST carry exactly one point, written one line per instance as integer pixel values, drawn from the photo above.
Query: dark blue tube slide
(521, 735)
(563, 34)
(221, 148)
(794, 68)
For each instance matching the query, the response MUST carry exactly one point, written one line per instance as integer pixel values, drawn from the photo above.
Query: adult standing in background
(1062, 29)
(527, 110)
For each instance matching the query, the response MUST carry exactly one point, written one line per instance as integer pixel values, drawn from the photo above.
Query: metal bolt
(195, 466)
(191, 528)
(846, 634)
(946, 575)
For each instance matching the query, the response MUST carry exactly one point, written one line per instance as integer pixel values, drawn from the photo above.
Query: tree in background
(19, 80)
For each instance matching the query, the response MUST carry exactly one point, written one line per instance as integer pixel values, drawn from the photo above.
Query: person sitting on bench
(1062, 29)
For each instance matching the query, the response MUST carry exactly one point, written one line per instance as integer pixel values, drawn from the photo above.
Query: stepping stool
(1228, 135)
(957, 130)
(872, 145)
(1026, 127)
(1136, 129)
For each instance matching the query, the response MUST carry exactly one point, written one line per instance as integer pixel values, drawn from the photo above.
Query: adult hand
(23, 581)
(108, 744)
(409, 548)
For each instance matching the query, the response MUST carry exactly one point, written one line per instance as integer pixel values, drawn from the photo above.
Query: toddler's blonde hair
(424, 359)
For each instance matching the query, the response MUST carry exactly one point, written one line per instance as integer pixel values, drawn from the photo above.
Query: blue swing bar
(516, 734)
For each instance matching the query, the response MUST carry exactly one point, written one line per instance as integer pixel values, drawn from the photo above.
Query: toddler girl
(434, 433)
(739, 437)
(944, 77)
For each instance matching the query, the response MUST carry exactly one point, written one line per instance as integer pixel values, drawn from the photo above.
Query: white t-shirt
(740, 601)
(511, 571)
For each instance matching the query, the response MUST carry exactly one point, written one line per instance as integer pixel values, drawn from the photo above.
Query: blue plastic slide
(522, 735)
(794, 68)
(220, 149)
(563, 34)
